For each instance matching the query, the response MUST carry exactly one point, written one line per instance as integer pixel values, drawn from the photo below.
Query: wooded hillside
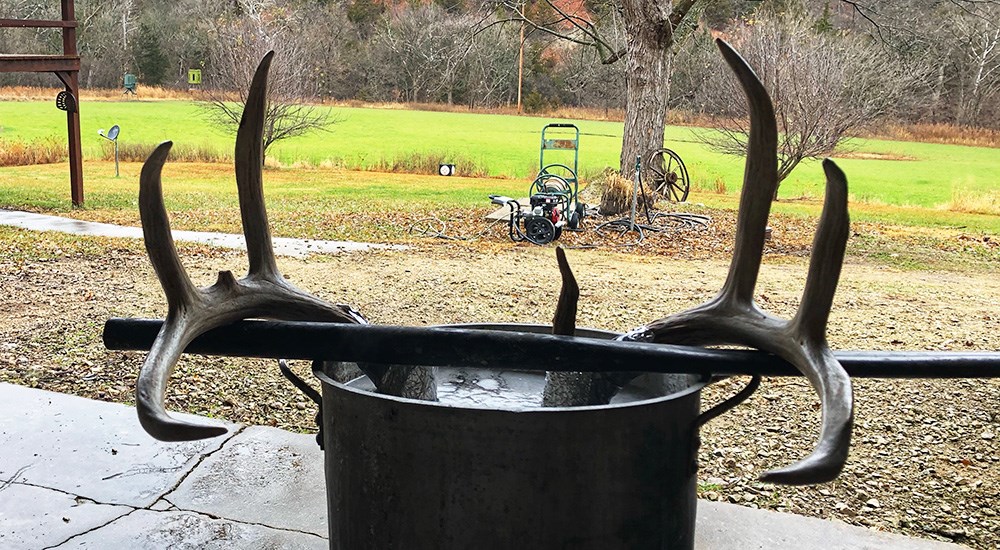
(467, 53)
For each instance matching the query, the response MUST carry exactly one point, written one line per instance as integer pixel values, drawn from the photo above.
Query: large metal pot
(411, 474)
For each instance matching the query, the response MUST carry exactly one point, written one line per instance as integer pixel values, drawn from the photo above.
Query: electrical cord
(436, 228)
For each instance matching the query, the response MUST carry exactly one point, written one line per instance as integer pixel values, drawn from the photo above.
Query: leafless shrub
(241, 38)
(180, 152)
(424, 54)
(824, 85)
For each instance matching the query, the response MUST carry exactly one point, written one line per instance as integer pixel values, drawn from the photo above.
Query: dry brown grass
(947, 134)
(28, 93)
(616, 193)
(179, 152)
(26, 153)
(864, 155)
(422, 163)
(968, 202)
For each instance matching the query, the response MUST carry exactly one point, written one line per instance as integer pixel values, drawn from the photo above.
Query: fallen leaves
(925, 459)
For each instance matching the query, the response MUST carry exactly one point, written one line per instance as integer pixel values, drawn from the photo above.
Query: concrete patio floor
(77, 473)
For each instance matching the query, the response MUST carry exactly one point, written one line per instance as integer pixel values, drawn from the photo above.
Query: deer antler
(263, 293)
(575, 389)
(733, 318)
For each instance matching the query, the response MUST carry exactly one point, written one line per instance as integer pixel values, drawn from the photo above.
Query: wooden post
(75, 146)
(73, 115)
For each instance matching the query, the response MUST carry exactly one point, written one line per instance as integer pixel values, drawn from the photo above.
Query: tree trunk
(647, 77)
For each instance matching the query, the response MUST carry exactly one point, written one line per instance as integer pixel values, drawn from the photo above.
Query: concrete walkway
(77, 473)
(283, 246)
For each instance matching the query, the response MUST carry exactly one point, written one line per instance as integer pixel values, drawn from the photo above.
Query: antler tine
(156, 231)
(760, 179)
(824, 372)
(249, 160)
(831, 382)
(573, 389)
(564, 321)
(827, 259)
(568, 389)
(151, 387)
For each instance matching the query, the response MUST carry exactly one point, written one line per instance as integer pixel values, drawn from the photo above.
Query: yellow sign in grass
(194, 76)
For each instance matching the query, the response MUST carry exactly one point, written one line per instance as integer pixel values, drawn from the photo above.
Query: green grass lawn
(202, 196)
(507, 146)
(939, 180)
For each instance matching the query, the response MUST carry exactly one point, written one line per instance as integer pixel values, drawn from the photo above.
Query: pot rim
(696, 385)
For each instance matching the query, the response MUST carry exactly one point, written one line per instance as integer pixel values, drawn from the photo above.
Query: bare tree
(491, 73)
(650, 27)
(242, 35)
(422, 53)
(976, 42)
(823, 86)
(592, 83)
(957, 39)
(106, 29)
(419, 52)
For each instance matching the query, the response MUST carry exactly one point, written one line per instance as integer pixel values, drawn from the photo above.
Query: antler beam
(732, 317)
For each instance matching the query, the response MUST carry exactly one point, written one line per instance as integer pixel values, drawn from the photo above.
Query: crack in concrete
(242, 522)
(171, 506)
(91, 530)
(77, 497)
(8, 482)
(199, 462)
(144, 470)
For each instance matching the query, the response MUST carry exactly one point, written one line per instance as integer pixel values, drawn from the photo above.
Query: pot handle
(740, 397)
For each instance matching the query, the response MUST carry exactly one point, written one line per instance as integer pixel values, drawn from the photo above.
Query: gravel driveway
(925, 459)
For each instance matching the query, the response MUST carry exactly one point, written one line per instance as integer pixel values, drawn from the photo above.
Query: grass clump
(424, 163)
(963, 200)
(37, 151)
(616, 193)
(948, 134)
(179, 152)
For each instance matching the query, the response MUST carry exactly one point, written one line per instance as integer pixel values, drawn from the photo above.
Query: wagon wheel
(668, 175)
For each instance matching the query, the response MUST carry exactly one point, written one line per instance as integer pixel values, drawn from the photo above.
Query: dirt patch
(926, 455)
(863, 155)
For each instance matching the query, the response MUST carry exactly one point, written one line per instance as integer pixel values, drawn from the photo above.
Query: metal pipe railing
(464, 345)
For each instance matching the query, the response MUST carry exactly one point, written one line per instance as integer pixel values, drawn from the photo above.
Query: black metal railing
(463, 345)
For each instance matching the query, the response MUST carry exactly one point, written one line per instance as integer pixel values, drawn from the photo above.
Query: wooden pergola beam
(67, 68)
(31, 63)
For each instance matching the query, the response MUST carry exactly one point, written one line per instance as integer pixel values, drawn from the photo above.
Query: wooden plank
(28, 63)
(36, 23)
